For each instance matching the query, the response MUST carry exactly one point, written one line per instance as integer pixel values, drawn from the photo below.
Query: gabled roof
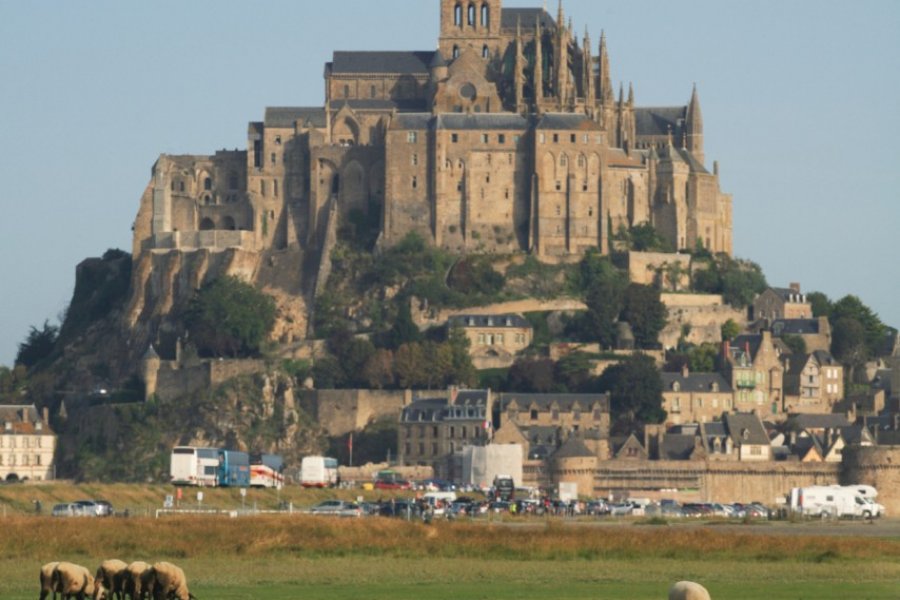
(510, 17)
(418, 121)
(795, 327)
(481, 121)
(566, 402)
(285, 116)
(820, 421)
(746, 428)
(541, 435)
(402, 62)
(429, 410)
(695, 382)
(573, 448)
(659, 120)
(499, 321)
(677, 446)
(22, 419)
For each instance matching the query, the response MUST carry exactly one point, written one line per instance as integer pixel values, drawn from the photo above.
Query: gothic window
(207, 183)
(233, 180)
(277, 140)
(272, 158)
(471, 19)
(485, 52)
(415, 182)
(485, 16)
(590, 211)
(563, 161)
(558, 186)
(581, 161)
(346, 91)
(501, 138)
(373, 92)
(336, 184)
(275, 187)
(555, 138)
(457, 16)
(262, 187)
(412, 137)
(455, 51)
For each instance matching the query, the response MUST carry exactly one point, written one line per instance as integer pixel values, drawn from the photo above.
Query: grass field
(316, 558)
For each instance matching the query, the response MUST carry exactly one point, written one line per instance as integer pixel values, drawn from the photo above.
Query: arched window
(228, 224)
(207, 225)
(233, 180)
(485, 16)
(563, 161)
(207, 183)
(336, 184)
(346, 91)
(457, 15)
(485, 52)
(471, 19)
(455, 51)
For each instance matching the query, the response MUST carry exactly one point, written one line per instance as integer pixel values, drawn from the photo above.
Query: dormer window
(714, 387)
(676, 387)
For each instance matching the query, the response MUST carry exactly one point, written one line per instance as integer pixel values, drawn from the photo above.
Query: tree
(573, 371)
(874, 330)
(328, 374)
(531, 376)
(796, 343)
(730, 330)
(645, 238)
(702, 358)
(605, 286)
(635, 388)
(742, 281)
(463, 371)
(404, 330)
(229, 317)
(379, 370)
(38, 345)
(410, 366)
(848, 343)
(646, 314)
(821, 304)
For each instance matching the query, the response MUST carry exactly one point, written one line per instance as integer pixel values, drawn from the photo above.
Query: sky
(800, 99)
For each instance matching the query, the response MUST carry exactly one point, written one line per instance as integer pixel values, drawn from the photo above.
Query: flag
(350, 442)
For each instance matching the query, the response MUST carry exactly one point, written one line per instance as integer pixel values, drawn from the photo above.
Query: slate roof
(566, 121)
(509, 17)
(695, 165)
(424, 410)
(285, 116)
(416, 121)
(677, 446)
(13, 414)
(499, 321)
(541, 435)
(656, 121)
(795, 327)
(573, 448)
(813, 421)
(402, 63)
(740, 423)
(411, 105)
(695, 382)
(432, 410)
(484, 121)
(564, 401)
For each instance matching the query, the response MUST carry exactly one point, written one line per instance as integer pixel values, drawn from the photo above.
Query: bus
(234, 469)
(318, 472)
(190, 465)
(504, 488)
(266, 471)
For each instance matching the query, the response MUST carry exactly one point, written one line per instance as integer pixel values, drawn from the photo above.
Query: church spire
(561, 61)
(538, 66)
(588, 73)
(604, 80)
(630, 94)
(693, 125)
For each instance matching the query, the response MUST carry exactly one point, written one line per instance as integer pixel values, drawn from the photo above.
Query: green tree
(38, 345)
(229, 318)
(605, 290)
(821, 304)
(742, 281)
(463, 371)
(702, 358)
(646, 314)
(531, 376)
(848, 344)
(328, 374)
(379, 370)
(874, 330)
(730, 330)
(796, 343)
(635, 388)
(404, 330)
(410, 365)
(645, 238)
(573, 371)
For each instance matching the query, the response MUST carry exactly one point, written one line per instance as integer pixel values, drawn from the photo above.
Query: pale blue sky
(801, 103)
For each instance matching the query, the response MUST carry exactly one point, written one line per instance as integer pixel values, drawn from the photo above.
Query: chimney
(685, 371)
(46, 414)
(795, 287)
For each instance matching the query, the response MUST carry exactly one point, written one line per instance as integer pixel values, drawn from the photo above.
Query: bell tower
(470, 23)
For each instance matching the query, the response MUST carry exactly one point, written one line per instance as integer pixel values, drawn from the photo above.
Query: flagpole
(350, 444)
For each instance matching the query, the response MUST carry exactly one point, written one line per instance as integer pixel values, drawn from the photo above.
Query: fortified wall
(172, 380)
(704, 314)
(341, 411)
(878, 466)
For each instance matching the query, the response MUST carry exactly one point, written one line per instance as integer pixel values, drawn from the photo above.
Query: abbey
(508, 138)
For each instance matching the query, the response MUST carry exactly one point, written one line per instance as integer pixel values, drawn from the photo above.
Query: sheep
(74, 581)
(47, 586)
(688, 590)
(111, 575)
(170, 583)
(135, 579)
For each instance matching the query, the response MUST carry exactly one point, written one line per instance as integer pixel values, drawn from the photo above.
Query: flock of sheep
(114, 581)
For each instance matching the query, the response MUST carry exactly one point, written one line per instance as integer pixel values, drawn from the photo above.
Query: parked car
(597, 508)
(336, 508)
(400, 508)
(622, 509)
(104, 508)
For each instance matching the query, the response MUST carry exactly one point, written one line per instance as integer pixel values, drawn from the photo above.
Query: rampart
(702, 314)
(428, 318)
(174, 380)
(878, 466)
(669, 271)
(341, 411)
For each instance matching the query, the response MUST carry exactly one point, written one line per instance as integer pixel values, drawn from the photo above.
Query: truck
(318, 472)
(504, 488)
(835, 501)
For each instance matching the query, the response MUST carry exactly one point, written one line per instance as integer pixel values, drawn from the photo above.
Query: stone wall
(704, 314)
(341, 411)
(668, 271)
(425, 318)
(700, 481)
(174, 380)
(878, 466)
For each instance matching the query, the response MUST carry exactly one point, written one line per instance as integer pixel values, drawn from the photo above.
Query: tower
(693, 125)
(470, 23)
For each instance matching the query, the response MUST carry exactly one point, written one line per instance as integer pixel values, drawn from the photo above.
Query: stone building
(813, 383)
(494, 340)
(737, 437)
(815, 333)
(752, 363)
(508, 138)
(27, 444)
(695, 397)
(782, 303)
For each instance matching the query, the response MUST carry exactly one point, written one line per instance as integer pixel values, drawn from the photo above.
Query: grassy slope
(275, 558)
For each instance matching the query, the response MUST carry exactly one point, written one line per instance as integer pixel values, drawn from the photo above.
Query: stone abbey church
(508, 138)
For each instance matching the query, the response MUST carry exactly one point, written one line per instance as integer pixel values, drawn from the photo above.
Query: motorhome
(318, 472)
(835, 501)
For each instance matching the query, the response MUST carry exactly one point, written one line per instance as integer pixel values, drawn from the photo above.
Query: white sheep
(47, 586)
(73, 581)
(170, 582)
(135, 579)
(688, 590)
(110, 579)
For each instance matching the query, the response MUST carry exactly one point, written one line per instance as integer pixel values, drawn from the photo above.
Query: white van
(440, 501)
(836, 501)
